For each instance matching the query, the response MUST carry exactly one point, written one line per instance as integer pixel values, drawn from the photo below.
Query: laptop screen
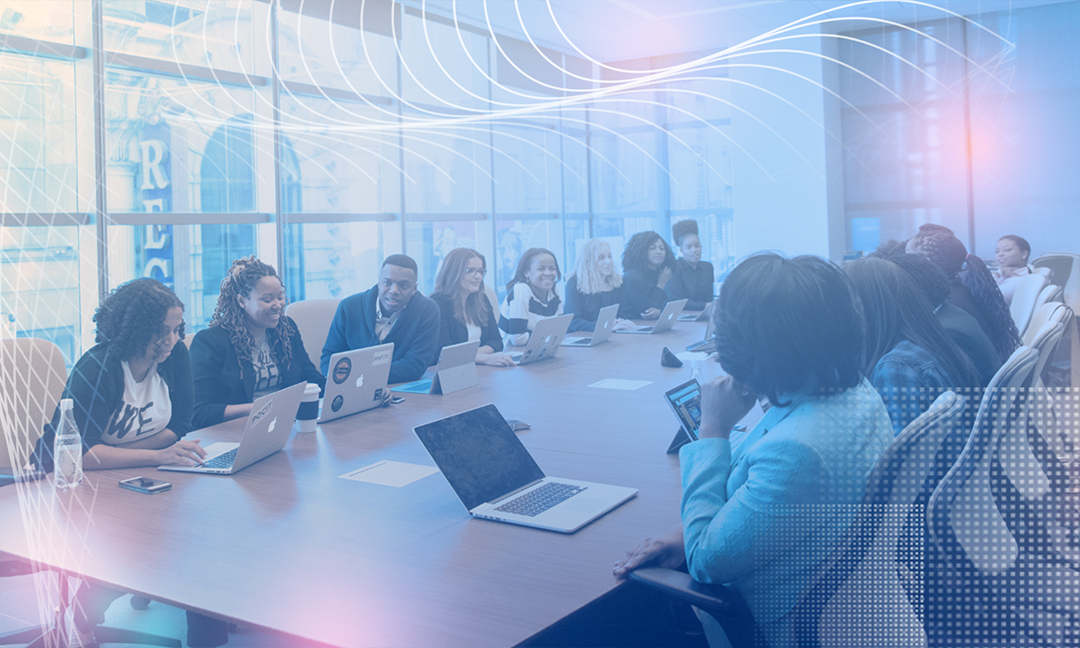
(479, 455)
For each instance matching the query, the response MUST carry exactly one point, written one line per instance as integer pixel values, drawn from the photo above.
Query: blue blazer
(415, 333)
(764, 518)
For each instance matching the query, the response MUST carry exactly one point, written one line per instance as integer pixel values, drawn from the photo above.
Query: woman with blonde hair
(251, 347)
(466, 311)
(593, 285)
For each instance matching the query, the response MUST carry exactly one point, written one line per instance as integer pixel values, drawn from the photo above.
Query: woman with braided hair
(251, 347)
(971, 286)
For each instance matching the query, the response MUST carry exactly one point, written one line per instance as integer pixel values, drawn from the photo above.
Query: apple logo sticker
(360, 381)
(273, 424)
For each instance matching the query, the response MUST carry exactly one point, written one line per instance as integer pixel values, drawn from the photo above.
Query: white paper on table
(390, 473)
(620, 383)
(691, 356)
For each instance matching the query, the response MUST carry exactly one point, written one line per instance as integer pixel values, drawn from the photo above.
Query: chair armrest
(724, 603)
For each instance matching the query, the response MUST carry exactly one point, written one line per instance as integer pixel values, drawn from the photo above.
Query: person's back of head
(927, 276)
(789, 325)
(895, 309)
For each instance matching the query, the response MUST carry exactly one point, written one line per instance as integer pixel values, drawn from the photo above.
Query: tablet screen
(685, 401)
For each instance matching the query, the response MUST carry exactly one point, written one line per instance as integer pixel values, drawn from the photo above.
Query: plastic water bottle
(67, 449)
(695, 371)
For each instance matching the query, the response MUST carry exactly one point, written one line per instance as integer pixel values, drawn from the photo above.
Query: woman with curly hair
(132, 395)
(593, 285)
(530, 295)
(466, 312)
(647, 267)
(251, 347)
(971, 286)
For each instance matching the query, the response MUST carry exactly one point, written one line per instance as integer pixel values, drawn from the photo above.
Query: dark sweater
(96, 385)
(695, 284)
(415, 334)
(641, 293)
(222, 379)
(969, 336)
(454, 331)
(586, 308)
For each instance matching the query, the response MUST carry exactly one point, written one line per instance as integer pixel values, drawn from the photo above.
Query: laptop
(604, 322)
(544, 341)
(667, 319)
(496, 478)
(455, 371)
(266, 432)
(703, 316)
(708, 345)
(357, 381)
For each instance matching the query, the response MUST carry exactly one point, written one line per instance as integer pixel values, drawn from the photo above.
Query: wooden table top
(288, 545)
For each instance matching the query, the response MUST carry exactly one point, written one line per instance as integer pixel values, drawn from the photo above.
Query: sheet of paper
(620, 383)
(390, 473)
(690, 356)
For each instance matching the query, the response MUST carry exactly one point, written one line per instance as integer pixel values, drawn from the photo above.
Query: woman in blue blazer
(764, 517)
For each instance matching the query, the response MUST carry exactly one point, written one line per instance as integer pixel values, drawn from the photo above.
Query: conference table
(289, 545)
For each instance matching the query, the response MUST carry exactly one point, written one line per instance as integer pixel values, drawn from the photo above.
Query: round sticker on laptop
(341, 371)
(336, 404)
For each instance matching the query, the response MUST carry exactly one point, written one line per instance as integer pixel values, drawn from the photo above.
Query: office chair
(313, 318)
(1025, 298)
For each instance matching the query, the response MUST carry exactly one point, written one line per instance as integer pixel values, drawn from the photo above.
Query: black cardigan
(216, 370)
(96, 385)
(642, 293)
(695, 284)
(454, 331)
(586, 308)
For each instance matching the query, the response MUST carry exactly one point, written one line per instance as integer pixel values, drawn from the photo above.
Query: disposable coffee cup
(309, 409)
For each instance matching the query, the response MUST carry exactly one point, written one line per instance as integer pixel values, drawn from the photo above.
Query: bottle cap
(66, 404)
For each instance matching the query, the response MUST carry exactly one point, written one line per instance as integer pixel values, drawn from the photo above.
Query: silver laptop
(667, 319)
(497, 479)
(266, 432)
(455, 371)
(604, 322)
(357, 381)
(703, 316)
(544, 341)
(708, 345)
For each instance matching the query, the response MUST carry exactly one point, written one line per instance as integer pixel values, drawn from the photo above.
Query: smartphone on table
(145, 485)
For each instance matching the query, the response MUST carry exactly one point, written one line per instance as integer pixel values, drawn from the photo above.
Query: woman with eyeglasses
(251, 347)
(647, 267)
(466, 311)
(530, 295)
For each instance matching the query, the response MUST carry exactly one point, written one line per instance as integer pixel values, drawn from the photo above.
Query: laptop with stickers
(544, 341)
(357, 381)
(267, 431)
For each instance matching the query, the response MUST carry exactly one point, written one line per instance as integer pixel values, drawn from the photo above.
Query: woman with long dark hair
(648, 264)
(250, 349)
(907, 355)
(765, 515)
(466, 312)
(971, 286)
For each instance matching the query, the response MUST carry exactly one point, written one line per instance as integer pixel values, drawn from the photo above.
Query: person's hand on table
(183, 452)
(665, 551)
(495, 359)
(724, 402)
(622, 325)
(651, 313)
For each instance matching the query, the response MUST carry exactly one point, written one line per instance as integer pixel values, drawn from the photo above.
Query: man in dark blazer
(392, 311)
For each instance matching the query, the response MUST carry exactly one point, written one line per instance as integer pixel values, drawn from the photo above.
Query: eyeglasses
(475, 271)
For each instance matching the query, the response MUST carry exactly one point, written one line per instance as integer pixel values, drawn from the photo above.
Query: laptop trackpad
(584, 504)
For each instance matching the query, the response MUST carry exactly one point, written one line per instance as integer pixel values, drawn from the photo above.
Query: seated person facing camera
(765, 516)
(391, 311)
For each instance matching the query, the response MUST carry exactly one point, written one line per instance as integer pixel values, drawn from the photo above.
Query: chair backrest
(866, 568)
(965, 522)
(1024, 299)
(1046, 272)
(32, 377)
(1042, 315)
(1056, 429)
(1064, 266)
(313, 318)
(1050, 293)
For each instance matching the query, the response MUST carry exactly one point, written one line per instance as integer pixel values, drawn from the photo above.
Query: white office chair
(313, 318)
(1024, 299)
(1050, 293)
(1066, 273)
(32, 377)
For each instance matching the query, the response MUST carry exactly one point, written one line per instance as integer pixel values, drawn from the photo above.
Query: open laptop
(266, 432)
(703, 316)
(667, 319)
(455, 371)
(544, 341)
(357, 381)
(604, 323)
(497, 479)
(708, 345)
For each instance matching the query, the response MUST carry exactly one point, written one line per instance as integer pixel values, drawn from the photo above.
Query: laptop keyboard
(222, 461)
(536, 502)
